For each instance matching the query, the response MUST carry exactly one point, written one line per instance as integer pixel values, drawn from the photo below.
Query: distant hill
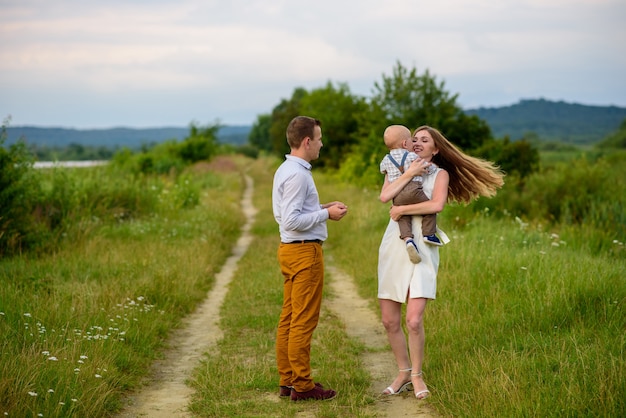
(553, 121)
(549, 120)
(115, 137)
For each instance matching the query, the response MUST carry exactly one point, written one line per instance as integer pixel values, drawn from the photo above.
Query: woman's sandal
(390, 391)
(422, 394)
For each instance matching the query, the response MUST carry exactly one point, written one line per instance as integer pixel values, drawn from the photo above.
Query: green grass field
(527, 322)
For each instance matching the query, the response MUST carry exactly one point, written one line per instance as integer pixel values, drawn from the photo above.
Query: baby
(399, 141)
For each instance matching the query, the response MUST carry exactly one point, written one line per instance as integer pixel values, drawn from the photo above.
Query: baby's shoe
(414, 254)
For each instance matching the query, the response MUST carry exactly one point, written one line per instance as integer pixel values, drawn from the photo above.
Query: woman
(459, 178)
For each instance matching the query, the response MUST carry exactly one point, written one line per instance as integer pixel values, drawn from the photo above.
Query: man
(302, 225)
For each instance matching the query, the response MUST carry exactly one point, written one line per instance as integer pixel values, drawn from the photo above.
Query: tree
(200, 145)
(337, 108)
(334, 105)
(259, 135)
(281, 116)
(409, 99)
(519, 157)
(19, 193)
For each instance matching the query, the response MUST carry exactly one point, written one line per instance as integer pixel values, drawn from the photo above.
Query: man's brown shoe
(317, 393)
(285, 391)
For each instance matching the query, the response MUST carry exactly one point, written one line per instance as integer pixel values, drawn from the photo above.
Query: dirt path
(364, 324)
(167, 395)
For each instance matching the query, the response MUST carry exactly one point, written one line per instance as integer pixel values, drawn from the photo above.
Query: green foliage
(83, 324)
(337, 108)
(88, 319)
(19, 193)
(170, 156)
(71, 152)
(539, 309)
(200, 145)
(259, 135)
(616, 139)
(576, 192)
(281, 116)
(518, 157)
(39, 208)
(409, 99)
(248, 150)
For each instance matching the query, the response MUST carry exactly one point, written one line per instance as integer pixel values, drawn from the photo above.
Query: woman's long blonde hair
(470, 177)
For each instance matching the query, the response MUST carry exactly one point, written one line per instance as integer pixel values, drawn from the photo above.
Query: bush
(170, 156)
(519, 157)
(19, 191)
(573, 193)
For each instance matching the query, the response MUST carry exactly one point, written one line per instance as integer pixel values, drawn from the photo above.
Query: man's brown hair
(299, 128)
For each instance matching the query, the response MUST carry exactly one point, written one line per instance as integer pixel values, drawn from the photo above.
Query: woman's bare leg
(415, 326)
(391, 313)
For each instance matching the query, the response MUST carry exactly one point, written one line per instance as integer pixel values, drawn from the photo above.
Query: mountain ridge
(115, 137)
(541, 119)
(559, 121)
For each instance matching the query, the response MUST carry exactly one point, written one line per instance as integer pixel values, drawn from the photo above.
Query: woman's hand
(435, 204)
(395, 212)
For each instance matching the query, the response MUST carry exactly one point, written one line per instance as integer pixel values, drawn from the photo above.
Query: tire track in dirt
(362, 323)
(167, 395)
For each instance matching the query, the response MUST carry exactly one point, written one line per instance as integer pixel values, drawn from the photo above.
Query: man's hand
(336, 210)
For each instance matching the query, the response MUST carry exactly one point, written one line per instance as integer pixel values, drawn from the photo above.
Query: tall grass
(240, 377)
(582, 192)
(527, 321)
(81, 324)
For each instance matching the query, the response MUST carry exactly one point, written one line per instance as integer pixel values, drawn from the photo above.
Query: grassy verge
(81, 325)
(526, 322)
(240, 378)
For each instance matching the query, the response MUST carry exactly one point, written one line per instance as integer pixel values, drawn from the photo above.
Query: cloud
(250, 54)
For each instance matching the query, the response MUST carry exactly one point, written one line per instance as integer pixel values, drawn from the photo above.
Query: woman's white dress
(397, 275)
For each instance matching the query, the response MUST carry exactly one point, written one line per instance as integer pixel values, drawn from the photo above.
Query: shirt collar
(298, 160)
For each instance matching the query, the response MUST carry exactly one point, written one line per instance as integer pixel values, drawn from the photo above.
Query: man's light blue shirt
(296, 204)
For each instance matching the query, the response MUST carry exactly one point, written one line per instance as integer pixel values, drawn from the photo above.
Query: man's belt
(306, 241)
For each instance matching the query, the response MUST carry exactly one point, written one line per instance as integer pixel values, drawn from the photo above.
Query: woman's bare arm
(434, 205)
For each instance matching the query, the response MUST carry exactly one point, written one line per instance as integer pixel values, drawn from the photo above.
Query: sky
(90, 64)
